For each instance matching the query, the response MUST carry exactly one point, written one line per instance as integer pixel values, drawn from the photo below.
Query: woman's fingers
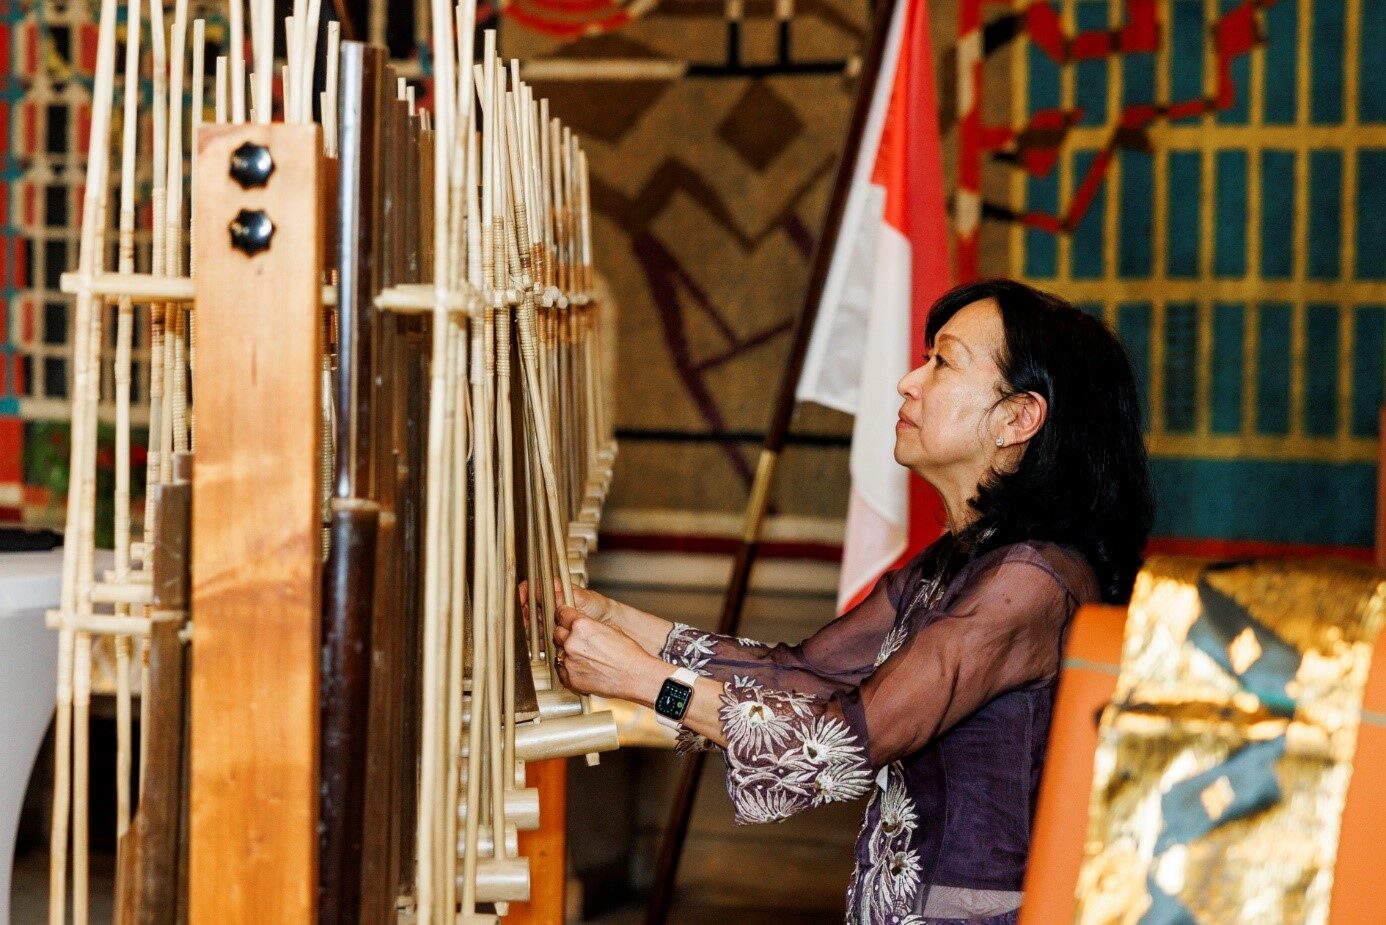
(567, 616)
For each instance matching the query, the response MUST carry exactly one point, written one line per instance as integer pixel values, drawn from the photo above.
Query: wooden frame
(257, 536)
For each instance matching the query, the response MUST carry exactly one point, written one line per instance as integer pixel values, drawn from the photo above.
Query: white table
(28, 676)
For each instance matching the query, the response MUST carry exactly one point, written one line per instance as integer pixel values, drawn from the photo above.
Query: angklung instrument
(372, 326)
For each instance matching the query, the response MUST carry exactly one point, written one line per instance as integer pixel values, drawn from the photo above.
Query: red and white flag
(889, 265)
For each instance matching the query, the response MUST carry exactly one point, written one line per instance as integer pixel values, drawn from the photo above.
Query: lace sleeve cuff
(689, 647)
(787, 752)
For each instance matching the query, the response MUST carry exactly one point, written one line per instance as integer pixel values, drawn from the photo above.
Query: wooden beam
(257, 529)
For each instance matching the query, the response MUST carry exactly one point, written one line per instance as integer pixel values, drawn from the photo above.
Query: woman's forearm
(645, 628)
(704, 709)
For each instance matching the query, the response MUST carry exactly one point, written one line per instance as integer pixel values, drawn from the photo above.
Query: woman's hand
(595, 658)
(597, 606)
(648, 631)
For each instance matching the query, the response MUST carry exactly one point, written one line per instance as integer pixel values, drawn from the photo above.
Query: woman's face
(945, 432)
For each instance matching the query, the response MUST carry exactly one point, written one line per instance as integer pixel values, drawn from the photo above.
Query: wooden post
(546, 847)
(257, 528)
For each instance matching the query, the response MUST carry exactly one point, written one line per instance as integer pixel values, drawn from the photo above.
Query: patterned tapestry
(1209, 176)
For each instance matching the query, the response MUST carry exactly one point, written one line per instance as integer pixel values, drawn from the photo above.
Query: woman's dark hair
(1083, 480)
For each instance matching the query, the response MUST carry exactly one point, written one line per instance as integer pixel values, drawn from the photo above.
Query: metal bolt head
(251, 165)
(251, 231)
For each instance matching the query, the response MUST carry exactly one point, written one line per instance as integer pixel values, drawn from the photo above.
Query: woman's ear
(1026, 414)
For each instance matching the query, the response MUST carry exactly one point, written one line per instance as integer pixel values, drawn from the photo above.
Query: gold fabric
(1223, 761)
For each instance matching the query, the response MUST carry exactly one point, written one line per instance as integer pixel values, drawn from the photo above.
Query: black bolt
(251, 165)
(251, 231)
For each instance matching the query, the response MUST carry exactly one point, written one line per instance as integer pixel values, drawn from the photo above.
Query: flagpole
(676, 829)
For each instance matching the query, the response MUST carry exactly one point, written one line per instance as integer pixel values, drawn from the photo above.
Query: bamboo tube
(577, 735)
(199, 108)
(479, 605)
(329, 105)
(486, 844)
(125, 323)
(221, 91)
(308, 59)
(175, 398)
(457, 610)
(264, 61)
(71, 660)
(236, 53)
(158, 202)
(288, 82)
(427, 902)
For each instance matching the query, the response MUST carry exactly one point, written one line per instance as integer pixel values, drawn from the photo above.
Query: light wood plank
(256, 537)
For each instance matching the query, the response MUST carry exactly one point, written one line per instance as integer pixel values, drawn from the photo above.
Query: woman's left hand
(600, 659)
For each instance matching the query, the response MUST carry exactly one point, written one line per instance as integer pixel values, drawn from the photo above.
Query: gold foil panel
(1223, 761)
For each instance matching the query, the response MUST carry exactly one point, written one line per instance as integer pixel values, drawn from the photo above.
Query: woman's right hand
(597, 606)
(647, 629)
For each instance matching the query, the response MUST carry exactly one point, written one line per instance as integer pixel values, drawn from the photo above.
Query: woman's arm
(788, 751)
(599, 659)
(835, 658)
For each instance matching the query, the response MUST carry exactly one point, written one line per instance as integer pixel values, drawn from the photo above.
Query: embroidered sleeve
(787, 752)
(690, 742)
(691, 649)
(836, 658)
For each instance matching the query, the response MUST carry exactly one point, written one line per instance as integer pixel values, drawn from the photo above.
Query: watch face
(673, 699)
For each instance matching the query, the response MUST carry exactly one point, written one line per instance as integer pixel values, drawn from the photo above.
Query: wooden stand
(257, 535)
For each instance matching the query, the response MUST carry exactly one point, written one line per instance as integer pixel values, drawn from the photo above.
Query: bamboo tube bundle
(443, 334)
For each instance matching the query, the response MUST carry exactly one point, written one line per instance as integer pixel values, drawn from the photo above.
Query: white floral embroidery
(889, 879)
(785, 755)
(771, 805)
(688, 647)
(901, 875)
(753, 643)
(689, 742)
(754, 724)
(897, 813)
(893, 641)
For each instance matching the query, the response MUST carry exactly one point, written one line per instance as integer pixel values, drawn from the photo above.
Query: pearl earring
(1000, 441)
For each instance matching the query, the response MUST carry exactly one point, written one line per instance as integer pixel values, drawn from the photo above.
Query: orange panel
(1092, 660)
(1093, 657)
(545, 848)
(1357, 877)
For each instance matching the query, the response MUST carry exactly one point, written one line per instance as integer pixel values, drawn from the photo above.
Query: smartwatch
(674, 697)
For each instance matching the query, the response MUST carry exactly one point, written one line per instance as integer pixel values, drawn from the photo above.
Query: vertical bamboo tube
(158, 204)
(236, 53)
(125, 323)
(74, 584)
(222, 112)
(428, 851)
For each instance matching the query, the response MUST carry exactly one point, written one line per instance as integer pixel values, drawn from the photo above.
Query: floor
(29, 901)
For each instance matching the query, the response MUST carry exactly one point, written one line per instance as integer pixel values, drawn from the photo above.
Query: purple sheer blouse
(935, 700)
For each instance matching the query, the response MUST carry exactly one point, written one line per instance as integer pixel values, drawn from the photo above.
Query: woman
(935, 693)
